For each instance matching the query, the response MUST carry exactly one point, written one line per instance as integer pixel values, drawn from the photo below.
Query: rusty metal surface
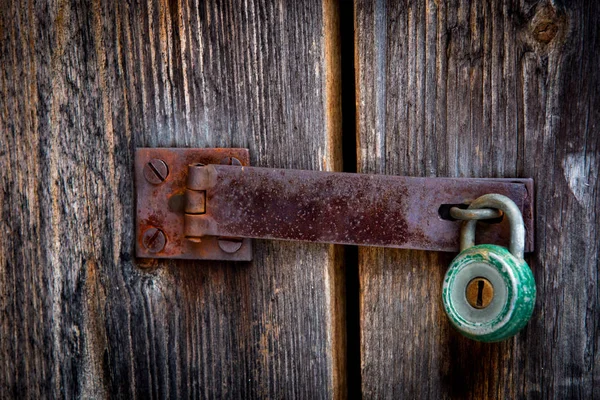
(161, 193)
(195, 201)
(344, 208)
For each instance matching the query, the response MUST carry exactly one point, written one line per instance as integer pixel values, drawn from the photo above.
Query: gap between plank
(349, 159)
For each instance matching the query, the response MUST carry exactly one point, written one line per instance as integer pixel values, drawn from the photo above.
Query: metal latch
(208, 203)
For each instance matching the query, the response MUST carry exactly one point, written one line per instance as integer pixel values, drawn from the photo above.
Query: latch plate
(161, 205)
(202, 209)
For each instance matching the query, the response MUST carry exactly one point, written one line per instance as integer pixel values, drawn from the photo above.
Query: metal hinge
(207, 204)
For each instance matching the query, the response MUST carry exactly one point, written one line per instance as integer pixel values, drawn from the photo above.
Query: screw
(154, 240)
(230, 245)
(156, 171)
(480, 293)
(230, 161)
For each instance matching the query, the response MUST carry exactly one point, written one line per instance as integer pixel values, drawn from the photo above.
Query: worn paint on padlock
(489, 324)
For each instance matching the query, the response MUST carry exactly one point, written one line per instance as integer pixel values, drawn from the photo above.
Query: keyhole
(480, 293)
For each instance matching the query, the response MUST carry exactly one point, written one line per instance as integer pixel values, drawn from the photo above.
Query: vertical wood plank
(82, 84)
(483, 89)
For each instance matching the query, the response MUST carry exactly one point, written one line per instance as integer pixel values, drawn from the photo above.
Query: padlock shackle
(515, 219)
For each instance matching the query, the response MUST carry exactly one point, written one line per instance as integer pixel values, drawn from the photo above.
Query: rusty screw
(230, 245)
(156, 171)
(154, 240)
(230, 161)
(480, 293)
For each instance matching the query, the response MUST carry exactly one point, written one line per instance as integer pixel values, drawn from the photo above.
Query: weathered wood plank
(483, 89)
(82, 83)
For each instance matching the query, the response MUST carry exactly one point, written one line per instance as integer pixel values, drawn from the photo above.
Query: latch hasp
(197, 206)
(345, 208)
(161, 204)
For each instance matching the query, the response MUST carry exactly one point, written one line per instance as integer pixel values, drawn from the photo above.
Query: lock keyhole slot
(479, 293)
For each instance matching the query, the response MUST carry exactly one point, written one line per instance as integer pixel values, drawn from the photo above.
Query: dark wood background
(483, 89)
(457, 88)
(82, 84)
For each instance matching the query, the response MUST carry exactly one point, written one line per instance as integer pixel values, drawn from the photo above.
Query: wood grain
(483, 89)
(82, 83)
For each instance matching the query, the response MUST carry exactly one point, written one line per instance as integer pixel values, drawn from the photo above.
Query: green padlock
(489, 292)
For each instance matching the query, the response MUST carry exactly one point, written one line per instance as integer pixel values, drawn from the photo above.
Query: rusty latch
(208, 203)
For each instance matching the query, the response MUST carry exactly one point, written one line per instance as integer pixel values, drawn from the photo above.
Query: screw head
(156, 171)
(154, 240)
(230, 245)
(480, 293)
(230, 161)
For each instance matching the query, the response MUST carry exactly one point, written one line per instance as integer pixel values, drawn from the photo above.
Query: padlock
(489, 292)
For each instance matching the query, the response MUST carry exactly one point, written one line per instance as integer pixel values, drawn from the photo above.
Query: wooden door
(82, 85)
(483, 89)
(430, 88)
